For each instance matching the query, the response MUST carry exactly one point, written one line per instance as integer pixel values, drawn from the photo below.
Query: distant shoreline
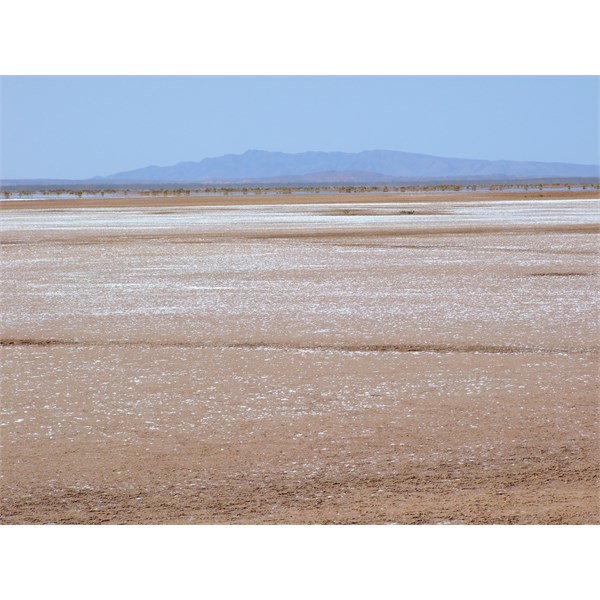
(287, 199)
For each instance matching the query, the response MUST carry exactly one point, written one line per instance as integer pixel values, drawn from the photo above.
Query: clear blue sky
(79, 127)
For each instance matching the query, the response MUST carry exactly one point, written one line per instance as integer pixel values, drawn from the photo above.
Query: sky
(76, 127)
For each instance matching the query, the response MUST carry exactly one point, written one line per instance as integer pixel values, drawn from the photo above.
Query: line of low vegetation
(78, 191)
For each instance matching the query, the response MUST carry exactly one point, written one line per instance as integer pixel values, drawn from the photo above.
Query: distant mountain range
(371, 166)
(367, 166)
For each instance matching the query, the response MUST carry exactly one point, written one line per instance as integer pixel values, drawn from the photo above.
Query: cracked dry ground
(190, 374)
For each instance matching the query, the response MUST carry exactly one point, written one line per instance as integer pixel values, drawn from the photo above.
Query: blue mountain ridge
(370, 164)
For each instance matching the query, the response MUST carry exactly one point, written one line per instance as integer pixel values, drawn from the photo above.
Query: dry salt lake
(347, 361)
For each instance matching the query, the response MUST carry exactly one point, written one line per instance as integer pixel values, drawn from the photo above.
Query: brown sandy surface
(266, 200)
(436, 364)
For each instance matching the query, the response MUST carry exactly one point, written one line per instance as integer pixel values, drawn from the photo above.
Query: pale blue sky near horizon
(79, 127)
